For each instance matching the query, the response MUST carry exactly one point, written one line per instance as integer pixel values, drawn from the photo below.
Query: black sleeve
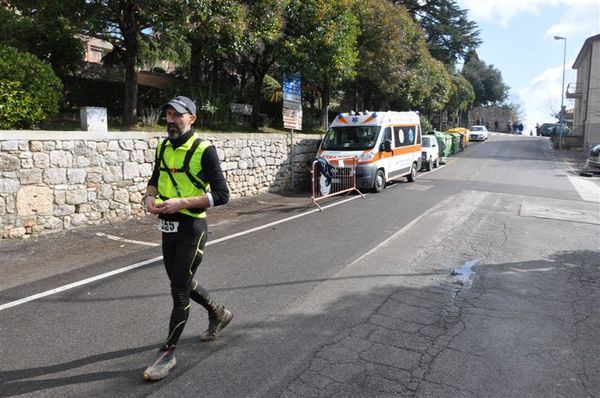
(154, 178)
(212, 173)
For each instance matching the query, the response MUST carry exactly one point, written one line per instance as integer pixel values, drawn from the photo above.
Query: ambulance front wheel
(413, 173)
(379, 183)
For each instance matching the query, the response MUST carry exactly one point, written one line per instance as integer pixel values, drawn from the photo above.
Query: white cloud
(542, 96)
(581, 20)
(580, 15)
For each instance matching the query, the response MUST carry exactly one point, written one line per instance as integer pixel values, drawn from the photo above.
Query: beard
(174, 131)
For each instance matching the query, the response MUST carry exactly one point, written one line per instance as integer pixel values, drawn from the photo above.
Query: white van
(386, 144)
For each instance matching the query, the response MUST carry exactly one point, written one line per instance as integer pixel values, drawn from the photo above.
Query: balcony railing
(574, 90)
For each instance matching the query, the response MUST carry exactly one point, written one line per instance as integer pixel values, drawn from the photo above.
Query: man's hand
(171, 206)
(149, 203)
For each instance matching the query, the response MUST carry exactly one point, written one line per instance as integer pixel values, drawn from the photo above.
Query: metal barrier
(333, 176)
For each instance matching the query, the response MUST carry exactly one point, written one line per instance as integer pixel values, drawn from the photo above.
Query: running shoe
(164, 362)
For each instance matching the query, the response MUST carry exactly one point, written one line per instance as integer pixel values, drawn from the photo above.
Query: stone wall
(488, 115)
(52, 181)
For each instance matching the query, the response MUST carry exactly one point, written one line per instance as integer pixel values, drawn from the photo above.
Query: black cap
(182, 105)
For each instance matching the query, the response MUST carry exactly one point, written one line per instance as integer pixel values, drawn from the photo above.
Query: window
(350, 138)
(399, 136)
(407, 135)
(387, 134)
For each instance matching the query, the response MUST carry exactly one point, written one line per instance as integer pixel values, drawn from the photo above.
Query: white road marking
(119, 239)
(159, 258)
(155, 259)
(79, 283)
(587, 188)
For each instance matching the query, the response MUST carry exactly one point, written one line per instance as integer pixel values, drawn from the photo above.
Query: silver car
(478, 133)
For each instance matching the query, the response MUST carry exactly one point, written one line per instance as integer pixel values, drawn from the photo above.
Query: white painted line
(587, 189)
(118, 238)
(440, 205)
(155, 259)
(76, 284)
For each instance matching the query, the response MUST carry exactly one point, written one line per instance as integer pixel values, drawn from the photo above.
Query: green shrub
(29, 89)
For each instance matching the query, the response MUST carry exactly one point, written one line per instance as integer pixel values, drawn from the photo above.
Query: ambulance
(387, 146)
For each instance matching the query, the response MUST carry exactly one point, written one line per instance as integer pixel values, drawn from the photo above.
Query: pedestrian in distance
(187, 179)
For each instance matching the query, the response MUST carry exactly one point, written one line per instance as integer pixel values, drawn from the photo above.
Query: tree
(44, 30)
(262, 45)
(321, 43)
(215, 34)
(461, 95)
(131, 25)
(385, 54)
(486, 81)
(30, 91)
(449, 34)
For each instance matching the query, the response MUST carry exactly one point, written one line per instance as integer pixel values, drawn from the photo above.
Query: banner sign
(292, 102)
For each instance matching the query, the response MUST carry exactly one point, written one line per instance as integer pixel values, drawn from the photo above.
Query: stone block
(64, 210)
(112, 174)
(30, 176)
(53, 223)
(78, 219)
(15, 233)
(131, 170)
(33, 200)
(126, 144)
(76, 196)
(76, 176)
(9, 185)
(41, 160)
(55, 176)
(121, 196)
(9, 162)
(35, 146)
(10, 145)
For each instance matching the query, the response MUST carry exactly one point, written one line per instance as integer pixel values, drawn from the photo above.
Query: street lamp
(562, 92)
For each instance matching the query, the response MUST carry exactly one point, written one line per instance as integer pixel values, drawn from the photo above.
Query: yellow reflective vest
(178, 179)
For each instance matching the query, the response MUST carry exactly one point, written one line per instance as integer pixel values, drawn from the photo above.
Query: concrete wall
(592, 119)
(52, 181)
(587, 107)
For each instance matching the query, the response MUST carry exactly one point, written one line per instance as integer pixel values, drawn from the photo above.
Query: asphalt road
(480, 279)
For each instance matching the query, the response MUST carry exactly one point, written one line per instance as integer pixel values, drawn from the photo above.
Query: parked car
(553, 129)
(430, 152)
(478, 133)
(593, 160)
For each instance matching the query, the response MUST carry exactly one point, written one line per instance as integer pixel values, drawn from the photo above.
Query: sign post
(292, 110)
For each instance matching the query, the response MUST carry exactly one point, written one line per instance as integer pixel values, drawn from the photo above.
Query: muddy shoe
(216, 323)
(164, 362)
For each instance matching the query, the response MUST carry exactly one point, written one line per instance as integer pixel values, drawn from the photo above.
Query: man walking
(186, 180)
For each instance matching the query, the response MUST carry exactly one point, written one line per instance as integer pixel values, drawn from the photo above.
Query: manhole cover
(557, 212)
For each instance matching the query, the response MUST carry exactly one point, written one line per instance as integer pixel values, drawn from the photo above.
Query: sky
(518, 40)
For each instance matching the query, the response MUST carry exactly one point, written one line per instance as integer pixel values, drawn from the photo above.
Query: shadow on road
(522, 329)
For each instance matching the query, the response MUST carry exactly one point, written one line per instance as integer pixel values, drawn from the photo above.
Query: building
(156, 75)
(586, 92)
(94, 49)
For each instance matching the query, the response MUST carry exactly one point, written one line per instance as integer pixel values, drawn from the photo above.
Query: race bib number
(168, 226)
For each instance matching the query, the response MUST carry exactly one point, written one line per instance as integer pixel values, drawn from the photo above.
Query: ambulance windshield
(348, 138)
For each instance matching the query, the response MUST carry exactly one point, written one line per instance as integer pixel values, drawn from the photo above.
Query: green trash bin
(455, 142)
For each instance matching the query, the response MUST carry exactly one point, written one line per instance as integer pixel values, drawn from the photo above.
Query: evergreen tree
(449, 33)
(486, 81)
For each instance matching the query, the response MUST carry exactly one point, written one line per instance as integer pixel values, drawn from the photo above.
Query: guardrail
(333, 176)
